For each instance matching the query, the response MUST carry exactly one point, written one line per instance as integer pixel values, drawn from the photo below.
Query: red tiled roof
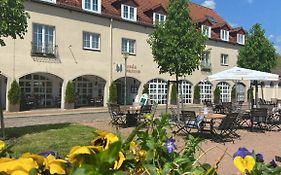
(198, 13)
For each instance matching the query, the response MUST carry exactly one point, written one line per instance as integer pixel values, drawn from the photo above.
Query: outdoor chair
(244, 119)
(118, 117)
(258, 117)
(274, 120)
(226, 130)
(173, 115)
(145, 109)
(227, 107)
(188, 121)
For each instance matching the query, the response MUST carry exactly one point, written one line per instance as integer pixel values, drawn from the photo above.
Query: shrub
(233, 92)
(145, 89)
(14, 94)
(217, 94)
(69, 93)
(173, 94)
(196, 95)
(250, 94)
(112, 93)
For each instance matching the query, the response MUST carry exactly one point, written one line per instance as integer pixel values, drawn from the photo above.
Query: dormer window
(128, 12)
(240, 39)
(158, 18)
(206, 30)
(52, 1)
(224, 35)
(92, 5)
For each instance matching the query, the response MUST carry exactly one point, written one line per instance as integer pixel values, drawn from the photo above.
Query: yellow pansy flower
(103, 140)
(55, 166)
(76, 154)
(37, 158)
(118, 163)
(20, 166)
(2, 145)
(245, 164)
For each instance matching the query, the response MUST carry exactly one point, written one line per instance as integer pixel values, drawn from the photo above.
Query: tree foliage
(258, 53)
(173, 94)
(13, 19)
(177, 43)
(69, 93)
(196, 95)
(112, 93)
(217, 93)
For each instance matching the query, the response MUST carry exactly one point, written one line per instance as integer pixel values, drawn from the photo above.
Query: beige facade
(92, 71)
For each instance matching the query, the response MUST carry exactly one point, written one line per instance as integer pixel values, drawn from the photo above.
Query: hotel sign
(131, 68)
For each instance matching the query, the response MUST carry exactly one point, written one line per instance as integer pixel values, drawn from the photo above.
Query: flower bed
(149, 149)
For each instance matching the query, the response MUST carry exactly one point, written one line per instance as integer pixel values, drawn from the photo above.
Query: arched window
(224, 88)
(158, 91)
(205, 91)
(186, 91)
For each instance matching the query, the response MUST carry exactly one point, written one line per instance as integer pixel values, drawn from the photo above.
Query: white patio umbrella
(240, 74)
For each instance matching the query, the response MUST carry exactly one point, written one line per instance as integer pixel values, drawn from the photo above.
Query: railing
(205, 66)
(44, 50)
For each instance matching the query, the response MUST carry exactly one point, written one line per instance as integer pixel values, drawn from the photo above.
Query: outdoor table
(211, 119)
(132, 115)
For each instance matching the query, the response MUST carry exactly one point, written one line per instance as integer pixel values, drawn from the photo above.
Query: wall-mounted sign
(119, 67)
(131, 68)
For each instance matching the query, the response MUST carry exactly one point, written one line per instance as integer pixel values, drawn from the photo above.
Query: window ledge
(91, 49)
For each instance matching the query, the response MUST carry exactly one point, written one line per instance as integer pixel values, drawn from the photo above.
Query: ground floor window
(158, 91)
(240, 92)
(224, 88)
(186, 91)
(205, 91)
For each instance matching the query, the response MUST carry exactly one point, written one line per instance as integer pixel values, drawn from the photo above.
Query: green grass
(59, 138)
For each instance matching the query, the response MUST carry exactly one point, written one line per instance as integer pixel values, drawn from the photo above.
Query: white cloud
(250, 1)
(209, 3)
(271, 37)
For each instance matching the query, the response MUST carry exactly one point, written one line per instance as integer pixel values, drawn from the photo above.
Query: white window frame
(130, 46)
(186, 92)
(225, 91)
(224, 59)
(240, 39)
(205, 91)
(206, 30)
(157, 89)
(131, 10)
(91, 6)
(159, 19)
(224, 35)
(44, 40)
(52, 1)
(91, 35)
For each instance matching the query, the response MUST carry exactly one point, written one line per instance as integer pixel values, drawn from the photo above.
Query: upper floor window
(224, 59)
(128, 12)
(91, 41)
(53, 1)
(158, 18)
(240, 39)
(43, 39)
(206, 30)
(128, 45)
(225, 35)
(92, 5)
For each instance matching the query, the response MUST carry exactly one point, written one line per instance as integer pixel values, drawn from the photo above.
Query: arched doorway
(185, 88)
(205, 91)
(89, 90)
(241, 89)
(158, 91)
(225, 91)
(131, 90)
(40, 90)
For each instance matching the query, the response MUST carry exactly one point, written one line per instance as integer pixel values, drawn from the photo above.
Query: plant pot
(196, 101)
(14, 108)
(69, 106)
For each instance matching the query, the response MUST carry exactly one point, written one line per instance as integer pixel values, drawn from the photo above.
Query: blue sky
(246, 13)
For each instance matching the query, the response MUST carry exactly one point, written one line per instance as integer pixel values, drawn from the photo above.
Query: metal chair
(258, 117)
(118, 118)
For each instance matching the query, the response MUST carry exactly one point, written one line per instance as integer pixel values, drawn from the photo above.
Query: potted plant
(14, 97)
(196, 95)
(145, 89)
(112, 93)
(217, 93)
(173, 95)
(69, 98)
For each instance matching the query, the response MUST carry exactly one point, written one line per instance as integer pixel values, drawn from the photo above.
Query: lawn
(59, 138)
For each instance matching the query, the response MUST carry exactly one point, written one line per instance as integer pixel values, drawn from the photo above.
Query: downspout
(111, 51)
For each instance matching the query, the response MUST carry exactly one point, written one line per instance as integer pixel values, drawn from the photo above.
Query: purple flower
(170, 145)
(242, 152)
(259, 157)
(273, 164)
(47, 153)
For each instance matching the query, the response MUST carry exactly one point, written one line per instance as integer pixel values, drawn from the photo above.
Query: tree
(177, 43)
(13, 19)
(69, 93)
(217, 97)
(258, 53)
(112, 93)
(196, 95)
(173, 94)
